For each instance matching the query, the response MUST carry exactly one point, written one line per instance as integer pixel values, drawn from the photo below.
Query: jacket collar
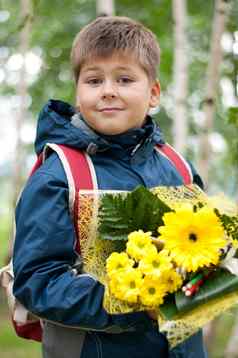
(135, 143)
(59, 123)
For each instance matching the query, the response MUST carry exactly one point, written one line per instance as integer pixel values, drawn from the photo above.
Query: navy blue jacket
(44, 246)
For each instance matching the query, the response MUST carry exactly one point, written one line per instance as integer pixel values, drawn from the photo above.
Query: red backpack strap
(80, 175)
(37, 164)
(178, 161)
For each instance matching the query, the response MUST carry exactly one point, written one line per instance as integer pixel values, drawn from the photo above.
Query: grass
(12, 346)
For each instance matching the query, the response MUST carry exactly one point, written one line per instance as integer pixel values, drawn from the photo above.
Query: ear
(155, 94)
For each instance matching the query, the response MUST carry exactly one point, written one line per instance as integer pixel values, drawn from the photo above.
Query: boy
(114, 61)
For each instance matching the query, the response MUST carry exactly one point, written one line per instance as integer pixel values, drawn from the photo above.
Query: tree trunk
(219, 21)
(105, 7)
(210, 333)
(231, 349)
(180, 72)
(215, 59)
(21, 91)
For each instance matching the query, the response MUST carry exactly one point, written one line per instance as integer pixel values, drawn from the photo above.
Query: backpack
(27, 325)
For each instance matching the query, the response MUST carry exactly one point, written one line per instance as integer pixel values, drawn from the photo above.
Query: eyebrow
(95, 68)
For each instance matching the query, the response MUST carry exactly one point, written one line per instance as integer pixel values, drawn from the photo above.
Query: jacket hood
(59, 123)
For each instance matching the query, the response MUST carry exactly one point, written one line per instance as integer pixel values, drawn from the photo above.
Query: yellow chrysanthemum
(172, 280)
(139, 244)
(165, 254)
(125, 285)
(117, 261)
(193, 238)
(152, 291)
(154, 263)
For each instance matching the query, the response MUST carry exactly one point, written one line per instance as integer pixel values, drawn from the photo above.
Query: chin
(112, 131)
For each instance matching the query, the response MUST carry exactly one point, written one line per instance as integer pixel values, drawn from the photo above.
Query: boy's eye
(94, 81)
(125, 80)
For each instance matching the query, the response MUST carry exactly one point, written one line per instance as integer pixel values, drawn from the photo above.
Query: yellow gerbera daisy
(172, 280)
(152, 291)
(193, 238)
(154, 263)
(117, 261)
(139, 244)
(126, 284)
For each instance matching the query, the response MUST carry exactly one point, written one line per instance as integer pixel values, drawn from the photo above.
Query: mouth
(110, 109)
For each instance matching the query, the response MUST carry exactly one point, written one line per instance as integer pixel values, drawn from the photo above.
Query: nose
(109, 89)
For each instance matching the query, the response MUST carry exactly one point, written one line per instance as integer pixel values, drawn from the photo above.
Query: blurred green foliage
(233, 116)
(4, 237)
(53, 27)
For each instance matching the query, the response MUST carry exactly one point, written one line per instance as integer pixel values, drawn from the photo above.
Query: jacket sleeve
(44, 255)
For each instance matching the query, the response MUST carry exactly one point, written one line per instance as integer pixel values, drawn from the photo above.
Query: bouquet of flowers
(173, 250)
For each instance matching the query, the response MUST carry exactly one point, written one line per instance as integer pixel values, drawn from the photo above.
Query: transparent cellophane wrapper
(95, 252)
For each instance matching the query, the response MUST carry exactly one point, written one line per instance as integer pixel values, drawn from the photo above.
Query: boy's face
(115, 94)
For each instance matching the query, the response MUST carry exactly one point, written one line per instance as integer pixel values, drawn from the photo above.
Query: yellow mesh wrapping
(95, 252)
(173, 196)
(178, 330)
(85, 211)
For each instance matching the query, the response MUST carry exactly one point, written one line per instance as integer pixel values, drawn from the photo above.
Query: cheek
(135, 98)
(141, 102)
(83, 100)
(139, 95)
(83, 97)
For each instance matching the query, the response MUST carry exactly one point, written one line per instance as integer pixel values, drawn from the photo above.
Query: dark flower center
(193, 237)
(151, 290)
(132, 284)
(155, 264)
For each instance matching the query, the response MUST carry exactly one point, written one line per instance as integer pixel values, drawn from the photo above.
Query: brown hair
(107, 35)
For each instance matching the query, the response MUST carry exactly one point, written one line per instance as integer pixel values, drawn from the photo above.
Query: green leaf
(230, 224)
(233, 115)
(169, 309)
(218, 284)
(121, 214)
(113, 237)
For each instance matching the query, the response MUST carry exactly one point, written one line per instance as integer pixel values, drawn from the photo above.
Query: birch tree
(21, 92)
(231, 349)
(105, 7)
(180, 74)
(212, 80)
(21, 113)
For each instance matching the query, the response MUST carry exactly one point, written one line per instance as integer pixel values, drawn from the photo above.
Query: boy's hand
(153, 314)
